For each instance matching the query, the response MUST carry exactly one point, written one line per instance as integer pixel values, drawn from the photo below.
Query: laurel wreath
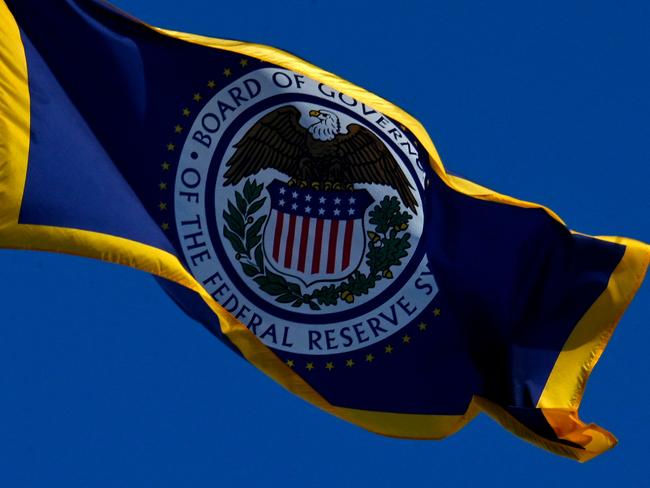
(387, 246)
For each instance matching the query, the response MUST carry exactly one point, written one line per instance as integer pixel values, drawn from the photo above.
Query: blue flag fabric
(307, 223)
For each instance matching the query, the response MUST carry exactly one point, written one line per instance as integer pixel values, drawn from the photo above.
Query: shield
(315, 235)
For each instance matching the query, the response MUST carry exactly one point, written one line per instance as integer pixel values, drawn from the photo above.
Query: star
(329, 366)
(186, 112)
(352, 200)
(308, 198)
(349, 363)
(171, 147)
(165, 226)
(165, 166)
(310, 366)
(388, 349)
(281, 202)
(436, 312)
(178, 129)
(162, 185)
(211, 84)
(243, 63)
(282, 191)
(422, 326)
(322, 200)
(337, 201)
(336, 211)
(227, 73)
(351, 211)
(307, 209)
(406, 339)
(294, 206)
(290, 363)
(197, 97)
(321, 211)
(162, 206)
(370, 358)
(294, 194)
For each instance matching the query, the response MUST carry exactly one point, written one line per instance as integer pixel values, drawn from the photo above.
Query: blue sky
(106, 383)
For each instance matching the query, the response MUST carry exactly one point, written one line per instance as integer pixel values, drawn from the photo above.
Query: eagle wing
(276, 141)
(367, 160)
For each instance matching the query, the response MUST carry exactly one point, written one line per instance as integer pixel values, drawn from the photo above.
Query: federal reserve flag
(307, 223)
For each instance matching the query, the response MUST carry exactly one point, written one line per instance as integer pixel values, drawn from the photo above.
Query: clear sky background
(104, 382)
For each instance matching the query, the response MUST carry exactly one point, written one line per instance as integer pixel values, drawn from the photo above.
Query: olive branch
(388, 244)
(243, 230)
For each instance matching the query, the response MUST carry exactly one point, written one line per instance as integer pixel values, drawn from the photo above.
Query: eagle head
(327, 127)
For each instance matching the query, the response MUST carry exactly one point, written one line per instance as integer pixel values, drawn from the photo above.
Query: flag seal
(292, 198)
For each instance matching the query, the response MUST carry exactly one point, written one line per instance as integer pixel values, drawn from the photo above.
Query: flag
(308, 224)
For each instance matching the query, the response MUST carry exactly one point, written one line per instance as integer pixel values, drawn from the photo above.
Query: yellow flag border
(560, 399)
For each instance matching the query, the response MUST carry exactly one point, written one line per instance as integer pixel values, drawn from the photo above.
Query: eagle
(319, 156)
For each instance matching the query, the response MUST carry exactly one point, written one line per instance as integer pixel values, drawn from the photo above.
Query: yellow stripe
(594, 440)
(566, 383)
(469, 187)
(14, 118)
(408, 426)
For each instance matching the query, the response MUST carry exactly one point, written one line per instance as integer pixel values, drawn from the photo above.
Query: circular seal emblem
(299, 209)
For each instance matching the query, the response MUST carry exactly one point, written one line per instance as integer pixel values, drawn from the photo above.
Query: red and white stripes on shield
(313, 246)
